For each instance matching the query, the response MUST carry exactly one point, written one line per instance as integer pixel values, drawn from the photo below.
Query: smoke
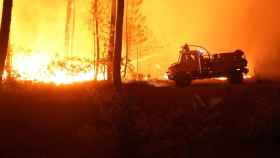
(265, 34)
(39, 26)
(219, 26)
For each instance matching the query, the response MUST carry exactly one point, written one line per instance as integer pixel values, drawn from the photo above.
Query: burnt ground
(92, 120)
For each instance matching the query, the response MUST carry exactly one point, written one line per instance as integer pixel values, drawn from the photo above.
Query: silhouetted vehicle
(199, 64)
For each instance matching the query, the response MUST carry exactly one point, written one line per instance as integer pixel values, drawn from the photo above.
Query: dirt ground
(145, 120)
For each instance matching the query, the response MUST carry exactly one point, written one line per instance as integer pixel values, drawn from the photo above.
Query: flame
(43, 68)
(165, 77)
(245, 76)
(222, 78)
(5, 75)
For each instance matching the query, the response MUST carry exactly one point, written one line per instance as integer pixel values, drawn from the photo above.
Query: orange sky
(218, 25)
(39, 25)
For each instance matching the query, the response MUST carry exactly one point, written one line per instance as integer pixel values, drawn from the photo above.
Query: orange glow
(41, 67)
(5, 75)
(165, 76)
(37, 43)
(218, 26)
(247, 76)
(222, 78)
(39, 27)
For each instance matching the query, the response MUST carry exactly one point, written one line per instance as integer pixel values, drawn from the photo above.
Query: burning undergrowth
(43, 68)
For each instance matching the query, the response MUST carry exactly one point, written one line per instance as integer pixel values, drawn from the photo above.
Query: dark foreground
(91, 120)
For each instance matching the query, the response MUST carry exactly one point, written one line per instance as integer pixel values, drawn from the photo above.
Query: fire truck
(198, 63)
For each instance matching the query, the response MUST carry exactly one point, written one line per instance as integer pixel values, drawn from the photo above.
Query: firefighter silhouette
(185, 48)
(185, 54)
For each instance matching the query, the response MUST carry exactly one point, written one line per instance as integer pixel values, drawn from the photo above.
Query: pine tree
(95, 9)
(100, 25)
(118, 44)
(5, 33)
(70, 27)
(135, 31)
(111, 40)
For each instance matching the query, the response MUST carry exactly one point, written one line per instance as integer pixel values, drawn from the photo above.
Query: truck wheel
(183, 79)
(236, 78)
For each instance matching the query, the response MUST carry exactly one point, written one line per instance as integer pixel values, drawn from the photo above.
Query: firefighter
(185, 48)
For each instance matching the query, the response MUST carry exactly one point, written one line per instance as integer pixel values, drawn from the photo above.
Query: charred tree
(70, 27)
(67, 25)
(126, 42)
(100, 26)
(97, 36)
(118, 44)
(135, 31)
(97, 49)
(111, 40)
(5, 33)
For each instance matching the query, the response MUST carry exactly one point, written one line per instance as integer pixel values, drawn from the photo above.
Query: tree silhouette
(100, 26)
(135, 30)
(70, 27)
(111, 40)
(96, 14)
(5, 33)
(118, 44)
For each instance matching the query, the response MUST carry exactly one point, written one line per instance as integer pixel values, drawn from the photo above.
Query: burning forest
(75, 43)
(84, 31)
(139, 78)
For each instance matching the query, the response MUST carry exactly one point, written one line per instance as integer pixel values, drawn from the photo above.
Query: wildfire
(41, 67)
(247, 76)
(222, 78)
(165, 76)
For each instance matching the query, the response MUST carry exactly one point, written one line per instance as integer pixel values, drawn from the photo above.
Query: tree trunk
(127, 44)
(70, 27)
(4, 33)
(67, 25)
(97, 39)
(118, 44)
(97, 48)
(111, 41)
(73, 29)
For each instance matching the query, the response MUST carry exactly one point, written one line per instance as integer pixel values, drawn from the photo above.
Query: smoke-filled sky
(39, 25)
(251, 25)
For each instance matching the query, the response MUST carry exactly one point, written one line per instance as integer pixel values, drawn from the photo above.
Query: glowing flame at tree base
(43, 68)
(245, 76)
